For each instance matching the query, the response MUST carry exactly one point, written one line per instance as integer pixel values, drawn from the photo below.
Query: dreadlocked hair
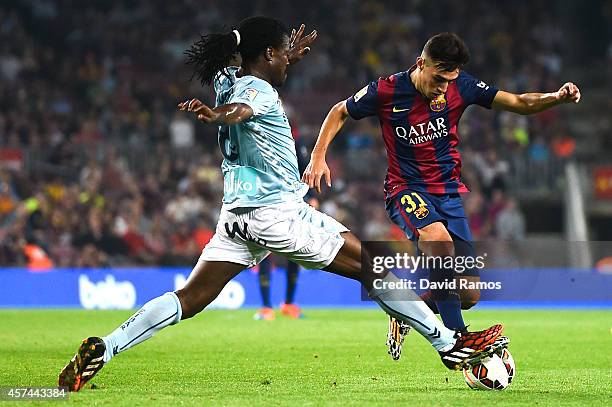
(214, 52)
(211, 54)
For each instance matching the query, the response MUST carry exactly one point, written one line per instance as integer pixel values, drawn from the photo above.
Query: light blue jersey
(260, 165)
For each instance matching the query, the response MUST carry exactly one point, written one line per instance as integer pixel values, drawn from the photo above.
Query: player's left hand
(568, 93)
(315, 170)
(300, 46)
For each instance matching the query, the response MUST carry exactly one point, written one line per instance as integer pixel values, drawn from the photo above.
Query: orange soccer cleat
(265, 314)
(471, 345)
(291, 311)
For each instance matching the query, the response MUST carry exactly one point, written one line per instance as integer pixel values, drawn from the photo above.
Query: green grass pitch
(332, 357)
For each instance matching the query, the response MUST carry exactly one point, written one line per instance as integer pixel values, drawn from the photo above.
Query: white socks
(165, 310)
(146, 322)
(406, 306)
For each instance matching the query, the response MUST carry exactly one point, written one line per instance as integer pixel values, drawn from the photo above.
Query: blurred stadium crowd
(97, 167)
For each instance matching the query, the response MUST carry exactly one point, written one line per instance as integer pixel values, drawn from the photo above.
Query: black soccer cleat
(88, 361)
(469, 346)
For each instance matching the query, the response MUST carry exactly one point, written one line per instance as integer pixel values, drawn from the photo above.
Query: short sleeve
(475, 91)
(256, 93)
(364, 103)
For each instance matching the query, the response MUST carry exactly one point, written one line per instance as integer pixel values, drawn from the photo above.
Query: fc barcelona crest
(438, 104)
(421, 212)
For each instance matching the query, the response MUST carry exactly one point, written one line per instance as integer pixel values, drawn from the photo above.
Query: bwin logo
(244, 233)
(106, 294)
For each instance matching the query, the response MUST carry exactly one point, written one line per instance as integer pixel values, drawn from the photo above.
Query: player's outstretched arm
(529, 103)
(221, 115)
(317, 167)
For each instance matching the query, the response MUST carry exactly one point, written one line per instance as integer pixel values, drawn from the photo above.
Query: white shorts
(294, 230)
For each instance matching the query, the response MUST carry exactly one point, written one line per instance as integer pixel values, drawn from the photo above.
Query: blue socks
(450, 312)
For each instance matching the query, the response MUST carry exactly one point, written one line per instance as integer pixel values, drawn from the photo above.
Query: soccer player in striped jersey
(419, 111)
(263, 209)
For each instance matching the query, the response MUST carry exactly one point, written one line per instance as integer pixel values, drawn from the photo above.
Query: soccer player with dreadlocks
(263, 208)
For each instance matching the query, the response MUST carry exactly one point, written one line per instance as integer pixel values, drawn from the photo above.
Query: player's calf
(469, 297)
(467, 303)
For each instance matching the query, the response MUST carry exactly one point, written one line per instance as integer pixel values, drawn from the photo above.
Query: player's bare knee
(434, 232)
(191, 304)
(185, 304)
(352, 247)
(347, 262)
(435, 240)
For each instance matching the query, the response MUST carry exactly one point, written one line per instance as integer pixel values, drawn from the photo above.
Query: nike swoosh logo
(396, 110)
(115, 350)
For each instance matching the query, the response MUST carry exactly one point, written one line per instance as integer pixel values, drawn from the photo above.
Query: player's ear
(420, 62)
(269, 54)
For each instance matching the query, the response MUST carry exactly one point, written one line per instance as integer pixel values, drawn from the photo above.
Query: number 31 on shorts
(411, 206)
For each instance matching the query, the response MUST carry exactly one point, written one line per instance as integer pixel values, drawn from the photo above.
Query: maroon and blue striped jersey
(420, 135)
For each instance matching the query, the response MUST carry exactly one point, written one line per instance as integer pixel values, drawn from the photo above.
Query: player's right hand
(190, 105)
(203, 112)
(316, 169)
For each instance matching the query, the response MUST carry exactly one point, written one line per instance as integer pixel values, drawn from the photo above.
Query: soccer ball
(492, 373)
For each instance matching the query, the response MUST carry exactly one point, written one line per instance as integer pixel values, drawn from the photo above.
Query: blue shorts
(412, 210)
